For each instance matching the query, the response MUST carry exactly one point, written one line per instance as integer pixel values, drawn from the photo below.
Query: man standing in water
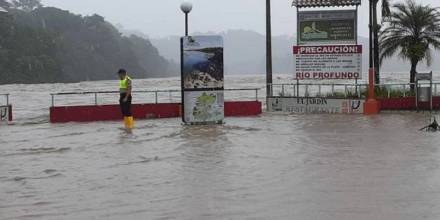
(125, 87)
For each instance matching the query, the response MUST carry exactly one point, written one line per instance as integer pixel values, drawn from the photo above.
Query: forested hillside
(44, 45)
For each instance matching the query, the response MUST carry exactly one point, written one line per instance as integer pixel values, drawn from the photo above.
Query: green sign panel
(327, 27)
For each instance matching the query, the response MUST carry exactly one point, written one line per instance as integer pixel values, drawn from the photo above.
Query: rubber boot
(126, 122)
(130, 122)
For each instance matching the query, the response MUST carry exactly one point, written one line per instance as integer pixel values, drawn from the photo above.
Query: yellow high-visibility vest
(123, 84)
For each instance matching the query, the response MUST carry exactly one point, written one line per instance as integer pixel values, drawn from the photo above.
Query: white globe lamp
(186, 7)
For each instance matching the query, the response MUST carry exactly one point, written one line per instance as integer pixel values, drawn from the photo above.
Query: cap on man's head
(122, 71)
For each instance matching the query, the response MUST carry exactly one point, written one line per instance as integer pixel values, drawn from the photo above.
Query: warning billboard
(328, 62)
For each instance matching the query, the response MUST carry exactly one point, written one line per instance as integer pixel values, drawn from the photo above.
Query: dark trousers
(125, 106)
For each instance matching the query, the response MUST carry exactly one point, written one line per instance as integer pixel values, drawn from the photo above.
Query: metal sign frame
(325, 3)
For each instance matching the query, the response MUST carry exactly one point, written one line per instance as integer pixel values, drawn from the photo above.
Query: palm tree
(385, 14)
(412, 31)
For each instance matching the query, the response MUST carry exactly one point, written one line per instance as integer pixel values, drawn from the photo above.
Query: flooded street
(276, 166)
(270, 167)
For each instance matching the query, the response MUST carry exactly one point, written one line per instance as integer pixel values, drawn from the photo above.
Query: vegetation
(25, 5)
(412, 31)
(44, 45)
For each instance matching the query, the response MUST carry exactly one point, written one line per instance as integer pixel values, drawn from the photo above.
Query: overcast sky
(161, 18)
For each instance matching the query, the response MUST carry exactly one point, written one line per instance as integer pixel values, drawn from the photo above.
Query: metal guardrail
(250, 89)
(155, 92)
(315, 89)
(6, 97)
(329, 89)
(95, 94)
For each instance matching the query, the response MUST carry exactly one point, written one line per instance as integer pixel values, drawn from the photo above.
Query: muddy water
(275, 166)
(270, 167)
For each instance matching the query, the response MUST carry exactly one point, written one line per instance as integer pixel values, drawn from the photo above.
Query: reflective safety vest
(123, 84)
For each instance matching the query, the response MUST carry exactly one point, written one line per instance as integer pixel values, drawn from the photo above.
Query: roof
(324, 3)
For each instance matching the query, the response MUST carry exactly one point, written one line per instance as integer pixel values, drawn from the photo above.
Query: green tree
(412, 31)
(26, 54)
(52, 45)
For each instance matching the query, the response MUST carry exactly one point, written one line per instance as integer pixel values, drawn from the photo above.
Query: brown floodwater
(268, 167)
(276, 166)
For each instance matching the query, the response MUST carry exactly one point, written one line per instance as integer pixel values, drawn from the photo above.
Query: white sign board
(4, 113)
(202, 75)
(328, 62)
(204, 106)
(316, 105)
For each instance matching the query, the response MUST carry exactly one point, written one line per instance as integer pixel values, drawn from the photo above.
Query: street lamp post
(371, 40)
(371, 106)
(374, 41)
(186, 8)
(268, 50)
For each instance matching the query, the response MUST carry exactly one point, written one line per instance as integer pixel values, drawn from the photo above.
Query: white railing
(316, 89)
(345, 90)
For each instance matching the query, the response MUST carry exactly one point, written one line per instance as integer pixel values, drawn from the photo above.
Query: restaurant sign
(316, 105)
